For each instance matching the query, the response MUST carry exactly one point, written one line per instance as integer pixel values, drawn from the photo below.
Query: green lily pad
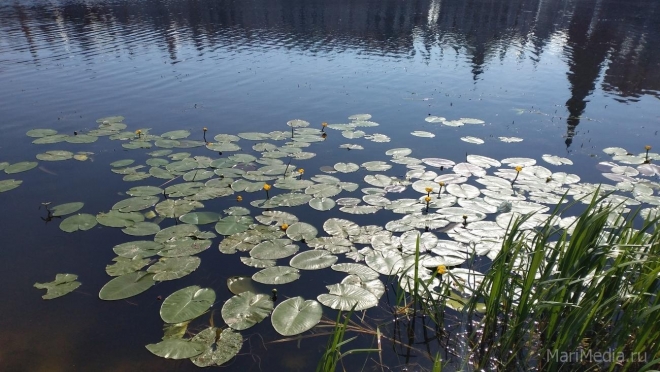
(142, 229)
(63, 284)
(184, 247)
(136, 203)
(200, 218)
(126, 286)
(140, 248)
(176, 208)
(322, 204)
(273, 249)
(186, 304)
(233, 224)
(115, 218)
(346, 297)
(123, 265)
(37, 133)
(68, 208)
(246, 309)
(174, 268)
(176, 134)
(276, 275)
(144, 191)
(122, 163)
(81, 138)
(6, 185)
(301, 231)
(177, 232)
(55, 155)
(78, 222)
(50, 139)
(220, 349)
(296, 315)
(313, 260)
(21, 167)
(177, 348)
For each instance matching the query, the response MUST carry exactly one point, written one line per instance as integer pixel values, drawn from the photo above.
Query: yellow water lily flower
(428, 199)
(301, 171)
(204, 129)
(518, 168)
(266, 186)
(239, 198)
(647, 147)
(284, 226)
(428, 189)
(442, 269)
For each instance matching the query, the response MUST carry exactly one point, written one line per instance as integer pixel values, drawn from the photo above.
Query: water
(570, 77)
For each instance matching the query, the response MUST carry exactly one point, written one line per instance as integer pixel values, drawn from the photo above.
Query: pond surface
(568, 77)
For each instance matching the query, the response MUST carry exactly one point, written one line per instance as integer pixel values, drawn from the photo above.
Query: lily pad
(186, 304)
(296, 315)
(63, 284)
(170, 268)
(276, 275)
(126, 286)
(233, 224)
(346, 297)
(313, 260)
(301, 231)
(68, 208)
(220, 349)
(177, 348)
(79, 222)
(142, 229)
(6, 185)
(246, 309)
(20, 167)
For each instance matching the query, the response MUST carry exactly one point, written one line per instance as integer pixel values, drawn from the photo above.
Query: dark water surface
(570, 77)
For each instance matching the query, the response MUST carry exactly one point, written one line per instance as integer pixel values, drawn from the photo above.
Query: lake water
(569, 77)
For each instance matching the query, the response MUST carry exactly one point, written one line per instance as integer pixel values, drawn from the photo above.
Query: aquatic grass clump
(550, 297)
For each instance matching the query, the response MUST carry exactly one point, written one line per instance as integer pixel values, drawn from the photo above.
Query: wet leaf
(186, 304)
(296, 315)
(246, 309)
(63, 284)
(78, 222)
(177, 348)
(126, 286)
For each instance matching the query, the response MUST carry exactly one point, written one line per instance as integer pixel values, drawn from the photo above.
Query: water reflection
(604, 42)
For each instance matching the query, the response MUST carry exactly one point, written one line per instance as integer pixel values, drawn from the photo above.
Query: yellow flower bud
(324, 124)
(428, 189)
(441, 183)
(284, 226)
(428, 199)
(266, 186)
(647, 147)
(442, 269)
(301, 171)
(518, 168)
(204, 129)
(239, 198)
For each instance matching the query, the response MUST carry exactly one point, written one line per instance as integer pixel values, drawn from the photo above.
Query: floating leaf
(246, 309)
(177, 348)
(322, 204)
(346, 297)
(37, 133)
(79, 222)
(135, 204)
(296, 315)
(276, 275)
(346, 167)
(20, 167)
(142, 229)
(6, 185)
(273, 249)
(173, 268)
(123, 265)
(63, 284)
(301, 231)
(68, 208)
(200, 218)
(219, 351)
(233, 224)
(419, 133)
(126, 286)
(474, 140)
(186, 304)
(313, 260)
